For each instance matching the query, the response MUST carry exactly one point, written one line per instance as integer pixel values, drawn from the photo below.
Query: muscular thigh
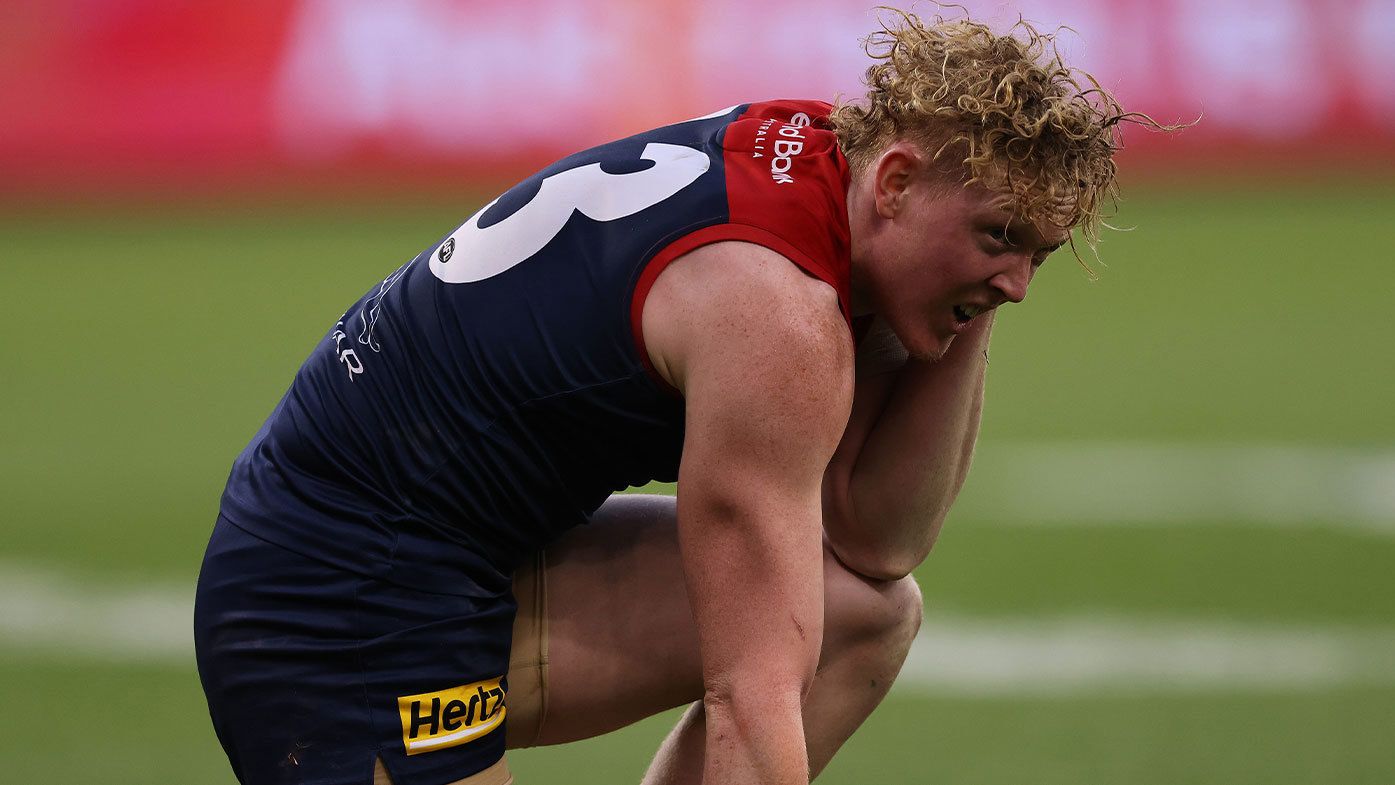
(619, 633)
(620, 636)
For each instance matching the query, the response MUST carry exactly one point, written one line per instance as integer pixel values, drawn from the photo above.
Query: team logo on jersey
(447, 250)
(449, 718)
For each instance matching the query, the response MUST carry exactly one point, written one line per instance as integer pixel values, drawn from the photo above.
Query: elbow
(881, 563)
(888, 551)
(879, 535)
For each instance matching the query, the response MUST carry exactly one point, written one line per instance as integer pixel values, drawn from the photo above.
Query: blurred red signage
(98, 93)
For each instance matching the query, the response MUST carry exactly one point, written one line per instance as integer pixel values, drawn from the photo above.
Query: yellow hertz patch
(437, 720)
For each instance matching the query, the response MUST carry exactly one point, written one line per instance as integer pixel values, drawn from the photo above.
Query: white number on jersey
(474, 254)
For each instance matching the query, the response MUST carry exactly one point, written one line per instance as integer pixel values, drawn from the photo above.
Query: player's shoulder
(743, 275)
(738, 297)
(786, 177)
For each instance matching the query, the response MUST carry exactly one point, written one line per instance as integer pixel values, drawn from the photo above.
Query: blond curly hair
(1013, 114)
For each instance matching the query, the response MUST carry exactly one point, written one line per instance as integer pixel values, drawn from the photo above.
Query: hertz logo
(437, 720)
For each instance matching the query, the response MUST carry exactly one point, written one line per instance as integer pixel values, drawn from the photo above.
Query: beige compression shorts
(527, 697)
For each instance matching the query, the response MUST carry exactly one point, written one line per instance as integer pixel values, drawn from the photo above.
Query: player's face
(931, 257)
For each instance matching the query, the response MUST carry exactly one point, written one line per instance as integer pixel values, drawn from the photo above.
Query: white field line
(43, 614)
(46, 612)
(1151, 483)
(1090, 653)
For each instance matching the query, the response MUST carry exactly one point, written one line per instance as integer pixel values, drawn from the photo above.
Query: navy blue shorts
(312, 672)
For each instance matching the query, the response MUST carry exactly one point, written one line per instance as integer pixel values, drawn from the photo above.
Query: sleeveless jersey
(492, 392)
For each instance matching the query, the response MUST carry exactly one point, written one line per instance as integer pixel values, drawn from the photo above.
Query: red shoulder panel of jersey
(786, 183)
(786, 176)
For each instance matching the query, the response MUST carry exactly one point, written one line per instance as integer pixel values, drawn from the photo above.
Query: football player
(785, 306)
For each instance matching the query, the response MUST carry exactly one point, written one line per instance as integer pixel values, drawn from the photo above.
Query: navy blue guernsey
(493, 391)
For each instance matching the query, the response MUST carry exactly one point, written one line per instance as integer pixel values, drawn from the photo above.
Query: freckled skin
(923, 243)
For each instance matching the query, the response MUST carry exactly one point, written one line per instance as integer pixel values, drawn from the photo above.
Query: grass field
(146, 343)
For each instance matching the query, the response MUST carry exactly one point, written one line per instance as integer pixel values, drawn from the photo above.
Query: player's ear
(892, 174)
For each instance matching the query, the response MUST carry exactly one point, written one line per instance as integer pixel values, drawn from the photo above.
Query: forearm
(756, 591)
(885, 510)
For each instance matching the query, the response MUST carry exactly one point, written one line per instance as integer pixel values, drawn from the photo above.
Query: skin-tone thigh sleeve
(528, 661)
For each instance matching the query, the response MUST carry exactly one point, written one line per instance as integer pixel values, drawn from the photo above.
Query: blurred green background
(1235, 349)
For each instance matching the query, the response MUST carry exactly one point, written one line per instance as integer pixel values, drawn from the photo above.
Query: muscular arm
(764, 361)
(904, 457)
